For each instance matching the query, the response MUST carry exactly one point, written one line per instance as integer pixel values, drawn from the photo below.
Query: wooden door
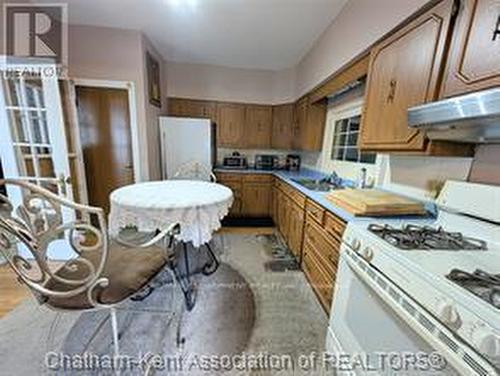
(475, 53)
(404, 72)
(256, 200)
(258, 126)
(283, 127)
(230, 124)
(104, 123)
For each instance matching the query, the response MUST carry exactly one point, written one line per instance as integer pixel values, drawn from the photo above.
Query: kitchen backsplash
(251, 153)
(419, 177)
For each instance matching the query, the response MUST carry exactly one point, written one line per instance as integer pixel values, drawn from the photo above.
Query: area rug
(247, 321)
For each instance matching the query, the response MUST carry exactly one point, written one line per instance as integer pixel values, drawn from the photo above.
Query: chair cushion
(127, 269)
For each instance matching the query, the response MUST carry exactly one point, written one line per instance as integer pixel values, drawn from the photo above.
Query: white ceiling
(257, 34)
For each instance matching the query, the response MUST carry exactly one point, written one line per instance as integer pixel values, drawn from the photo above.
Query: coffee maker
(293, 162)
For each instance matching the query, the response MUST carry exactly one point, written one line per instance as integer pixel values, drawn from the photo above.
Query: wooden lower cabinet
(289, 208)
(319, 281)
(295, 229)
(252, 194)
(320, 254)
(256, 200)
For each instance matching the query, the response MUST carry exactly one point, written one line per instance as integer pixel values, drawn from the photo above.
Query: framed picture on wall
(153, 71)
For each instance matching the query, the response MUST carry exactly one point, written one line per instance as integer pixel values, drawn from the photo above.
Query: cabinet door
(300, 123)
(475, 52)
(191, 108)
(296, 230)
(230, 124)
(404, 72)
(274, 206)
(312, 133)
(283, 127)
(258, 126)
(256, 200)
(236, 187)
(283, 215)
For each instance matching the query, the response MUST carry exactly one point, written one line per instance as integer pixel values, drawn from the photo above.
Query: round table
(197, 206)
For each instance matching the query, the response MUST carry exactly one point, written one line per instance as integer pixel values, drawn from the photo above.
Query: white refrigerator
(184, 141)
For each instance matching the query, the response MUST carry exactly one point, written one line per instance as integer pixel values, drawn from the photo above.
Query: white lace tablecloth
(198, 206)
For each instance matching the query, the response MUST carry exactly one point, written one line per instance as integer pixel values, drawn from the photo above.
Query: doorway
(106, 141)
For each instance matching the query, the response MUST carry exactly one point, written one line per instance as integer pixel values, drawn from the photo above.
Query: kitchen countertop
(318, 197)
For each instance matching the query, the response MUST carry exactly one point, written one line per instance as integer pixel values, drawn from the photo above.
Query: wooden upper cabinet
(283, 127)
(258, 126)
(475, 53)
(404, 72)
(310, 124)
(230, 124)
(192, 108)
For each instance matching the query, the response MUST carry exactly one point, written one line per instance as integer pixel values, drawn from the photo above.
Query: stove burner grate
(412, 237)
(480, 283)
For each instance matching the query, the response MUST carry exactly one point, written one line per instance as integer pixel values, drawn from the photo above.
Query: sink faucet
(362, 178)
(334, 179)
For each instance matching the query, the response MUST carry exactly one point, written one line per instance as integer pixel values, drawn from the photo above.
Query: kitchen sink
(317, 185)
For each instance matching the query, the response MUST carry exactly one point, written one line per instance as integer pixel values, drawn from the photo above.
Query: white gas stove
(443, 273)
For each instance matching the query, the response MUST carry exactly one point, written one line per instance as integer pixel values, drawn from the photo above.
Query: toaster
(266, 162)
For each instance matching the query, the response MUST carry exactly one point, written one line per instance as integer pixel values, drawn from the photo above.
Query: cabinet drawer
(321, 284)
(223, 178)
(295, 195)
(257, 178)
(315, 211)
(334, 225)
(326, 247)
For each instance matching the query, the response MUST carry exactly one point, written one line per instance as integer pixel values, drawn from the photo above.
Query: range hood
(469, 118)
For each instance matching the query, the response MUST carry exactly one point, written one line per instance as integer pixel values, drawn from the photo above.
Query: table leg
(213, 264)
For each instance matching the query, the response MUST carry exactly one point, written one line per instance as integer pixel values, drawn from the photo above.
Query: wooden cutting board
(374, 203)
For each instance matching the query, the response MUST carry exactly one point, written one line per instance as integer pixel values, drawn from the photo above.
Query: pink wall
(359, 24)
(229, 84)
(116, 54)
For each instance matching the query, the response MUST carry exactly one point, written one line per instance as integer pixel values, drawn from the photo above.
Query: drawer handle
(496, 31)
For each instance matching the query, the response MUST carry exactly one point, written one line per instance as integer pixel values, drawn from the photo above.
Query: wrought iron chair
(195, 171)
(101, 275)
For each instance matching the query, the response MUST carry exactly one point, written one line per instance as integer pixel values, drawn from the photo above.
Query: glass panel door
(33, 144)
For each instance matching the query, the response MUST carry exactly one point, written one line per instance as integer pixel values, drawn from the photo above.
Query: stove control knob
(448, 314)
(486, 342)
(356, 244)
(368, 254)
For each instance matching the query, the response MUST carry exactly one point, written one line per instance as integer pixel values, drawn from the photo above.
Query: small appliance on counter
(293, 162)
(236, 161)
(267, 162)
